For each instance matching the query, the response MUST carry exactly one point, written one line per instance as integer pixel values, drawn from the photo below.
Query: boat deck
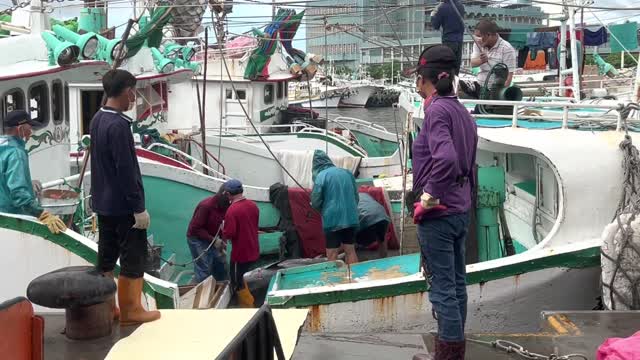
(58, 347)
(561, 333)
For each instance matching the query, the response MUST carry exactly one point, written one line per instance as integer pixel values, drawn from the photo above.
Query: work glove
(37, 187)
(218, 244)
(142, 220)
(428, 201)
(52, 222)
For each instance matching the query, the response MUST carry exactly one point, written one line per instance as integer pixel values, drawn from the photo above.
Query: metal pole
(563, 52)
(407, 133)
(326, 96)
(574, 54)
(204, 101)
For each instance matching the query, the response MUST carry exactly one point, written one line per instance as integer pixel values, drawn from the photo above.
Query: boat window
(57, 101)
(66, 103)
(547, 191)
(280, 90)
(241, 94)
(268, 94)
(39, 104)
(12, 100)
(229, 94)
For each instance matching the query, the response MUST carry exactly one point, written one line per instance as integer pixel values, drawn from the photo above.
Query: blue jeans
(211, 263)
(442, 242)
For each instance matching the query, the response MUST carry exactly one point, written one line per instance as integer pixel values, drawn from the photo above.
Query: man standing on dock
(241, 228)
(448, 16)
(335, 195)
(117, 196)
(17, 191)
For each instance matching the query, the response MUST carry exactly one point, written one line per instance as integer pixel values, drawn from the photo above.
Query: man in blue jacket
(17, 195)
(446, 17)
(335, 195)
(117, 196)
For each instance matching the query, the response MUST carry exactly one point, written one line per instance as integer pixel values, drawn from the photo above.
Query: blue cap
(233, 186)
(18, 117)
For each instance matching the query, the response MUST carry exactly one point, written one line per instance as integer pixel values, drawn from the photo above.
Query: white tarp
(300, 165)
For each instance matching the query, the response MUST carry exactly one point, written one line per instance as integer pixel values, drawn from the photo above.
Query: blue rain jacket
(334, 194)
(16, 191)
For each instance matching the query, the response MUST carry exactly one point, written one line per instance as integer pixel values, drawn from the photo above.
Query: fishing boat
(37, 76)
(315, 95)
(360, 91)
(541, 175)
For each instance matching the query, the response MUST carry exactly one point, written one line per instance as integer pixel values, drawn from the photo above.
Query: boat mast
(563, 50)
(574, 54)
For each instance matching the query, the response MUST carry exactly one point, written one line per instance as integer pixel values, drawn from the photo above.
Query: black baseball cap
(18, 117)
(434, 56)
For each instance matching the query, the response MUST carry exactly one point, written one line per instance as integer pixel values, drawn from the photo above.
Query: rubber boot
(245, 299)
(450, 350)
(428, 356)
(129, 297)
(112, 301)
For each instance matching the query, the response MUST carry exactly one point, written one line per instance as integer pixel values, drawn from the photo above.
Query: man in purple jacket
(117, 196)
(444, 156)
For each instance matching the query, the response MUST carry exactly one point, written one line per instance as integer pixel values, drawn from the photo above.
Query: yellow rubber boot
(129, 298)
(245, 299)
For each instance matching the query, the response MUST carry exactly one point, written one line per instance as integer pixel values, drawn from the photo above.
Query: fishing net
(620, 252)
(151, 32)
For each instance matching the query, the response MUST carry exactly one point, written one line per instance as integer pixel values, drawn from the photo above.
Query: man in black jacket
(117, 197)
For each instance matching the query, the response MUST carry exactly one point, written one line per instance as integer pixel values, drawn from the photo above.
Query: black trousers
(237, 271)
(375, 232)
(119, 240)
(457, 51)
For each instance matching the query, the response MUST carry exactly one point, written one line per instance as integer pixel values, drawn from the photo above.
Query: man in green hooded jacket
(17, 194)
(335, 195)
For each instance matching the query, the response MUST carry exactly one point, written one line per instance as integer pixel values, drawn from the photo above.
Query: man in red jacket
(241, 228)
(205, 228)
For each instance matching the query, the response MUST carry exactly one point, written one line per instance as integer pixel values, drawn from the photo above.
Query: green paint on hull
(162, 295)
(331, 140)
(375, 147)
(171, 205)
(584, 258)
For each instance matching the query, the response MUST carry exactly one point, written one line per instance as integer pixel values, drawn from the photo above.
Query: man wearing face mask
(204, 236)
(117, 196)
(17, 191)
(492, 50)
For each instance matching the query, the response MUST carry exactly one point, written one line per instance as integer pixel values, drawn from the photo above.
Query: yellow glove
(52, 222)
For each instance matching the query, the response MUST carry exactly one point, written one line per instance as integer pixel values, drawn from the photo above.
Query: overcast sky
(245, 16)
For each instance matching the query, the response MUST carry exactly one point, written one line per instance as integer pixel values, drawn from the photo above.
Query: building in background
(359, 35)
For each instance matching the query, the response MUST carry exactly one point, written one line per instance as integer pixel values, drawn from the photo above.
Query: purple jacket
(444, 155)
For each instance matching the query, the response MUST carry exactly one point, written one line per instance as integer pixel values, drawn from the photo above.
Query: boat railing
(258, 339)
(565, 106)
(337, 137)
(360, 122)
(210, 170)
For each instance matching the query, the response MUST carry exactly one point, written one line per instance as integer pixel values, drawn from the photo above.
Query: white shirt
(501, 52)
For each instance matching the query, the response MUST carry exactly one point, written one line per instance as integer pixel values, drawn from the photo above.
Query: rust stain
(384, 308)
(314, 319)
(390, 273)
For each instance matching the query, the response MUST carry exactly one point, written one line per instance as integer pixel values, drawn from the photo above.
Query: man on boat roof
(448, 16)
(489, 50)
(17, 191)
(241, 228)
(335, 195)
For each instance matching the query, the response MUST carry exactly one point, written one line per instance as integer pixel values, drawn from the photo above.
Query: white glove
(37, 187)
(142, 220)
